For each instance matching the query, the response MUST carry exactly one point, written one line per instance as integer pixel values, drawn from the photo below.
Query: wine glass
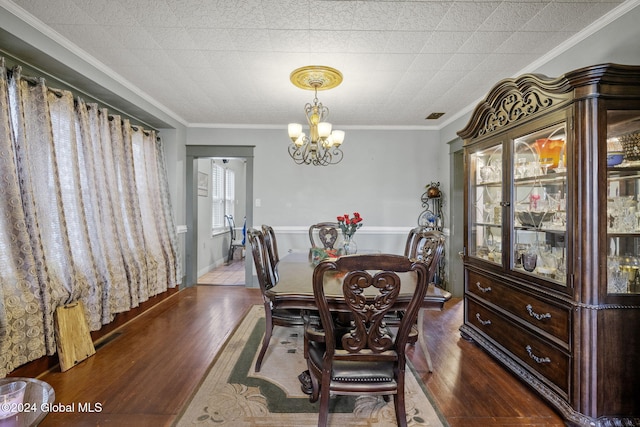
(545, 163)
(521, 167)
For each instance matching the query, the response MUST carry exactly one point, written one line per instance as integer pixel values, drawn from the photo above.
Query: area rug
(233, 394)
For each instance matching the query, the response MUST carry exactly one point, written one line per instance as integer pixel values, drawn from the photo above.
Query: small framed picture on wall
(203, 184)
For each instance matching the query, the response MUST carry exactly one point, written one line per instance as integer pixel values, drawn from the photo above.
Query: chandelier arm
(299, 153)
(337, 155)
(295, 154)
(320, 156)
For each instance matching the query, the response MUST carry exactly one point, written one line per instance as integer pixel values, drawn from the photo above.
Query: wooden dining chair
(366, 357)
(267, 279)
(422, 245)
(324, 235)
(272, 246)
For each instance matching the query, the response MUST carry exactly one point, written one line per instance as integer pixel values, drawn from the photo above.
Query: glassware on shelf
(497, 214)
(520, 250)
(486, 173)
(630, 265)
(529, 260)
(622, 214)
(488, 212)
(545, 164)
(534, 196)
(550, 148)
(521, 167)
(535, 219)
(561, 272)
(547, 264)
(617, 280)
(489, 167)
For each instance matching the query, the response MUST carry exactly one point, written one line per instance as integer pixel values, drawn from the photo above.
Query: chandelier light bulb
(324, 129)
(337, 136)
(328, 142)
(295, 129)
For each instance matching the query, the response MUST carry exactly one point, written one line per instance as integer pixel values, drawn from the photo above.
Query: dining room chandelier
(322, 146)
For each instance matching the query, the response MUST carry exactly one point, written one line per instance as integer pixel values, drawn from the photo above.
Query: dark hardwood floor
(144, 372)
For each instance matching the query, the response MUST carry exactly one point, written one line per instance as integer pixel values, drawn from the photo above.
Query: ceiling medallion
(322, 146)
(316, 77)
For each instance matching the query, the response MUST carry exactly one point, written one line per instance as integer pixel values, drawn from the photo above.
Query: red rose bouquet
(349, 225)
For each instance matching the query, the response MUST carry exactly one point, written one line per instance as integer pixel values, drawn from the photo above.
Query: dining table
(294, 290)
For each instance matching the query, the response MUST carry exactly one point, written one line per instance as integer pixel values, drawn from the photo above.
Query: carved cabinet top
(512, 100)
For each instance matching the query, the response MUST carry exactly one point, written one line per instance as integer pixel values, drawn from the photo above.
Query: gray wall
(382, 176)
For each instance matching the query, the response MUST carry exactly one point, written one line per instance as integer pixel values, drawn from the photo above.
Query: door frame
(193, 153)
(456, 218)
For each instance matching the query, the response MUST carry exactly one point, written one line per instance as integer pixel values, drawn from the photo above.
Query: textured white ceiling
(228, 62)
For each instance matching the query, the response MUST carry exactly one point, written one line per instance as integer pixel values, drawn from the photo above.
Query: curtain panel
(84, 215)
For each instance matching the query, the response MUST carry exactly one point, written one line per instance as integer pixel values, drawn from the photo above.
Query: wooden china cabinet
(552, 238)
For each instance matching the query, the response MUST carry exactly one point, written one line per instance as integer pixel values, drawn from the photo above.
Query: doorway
(195, 152)
(221, 214)
(456, 213)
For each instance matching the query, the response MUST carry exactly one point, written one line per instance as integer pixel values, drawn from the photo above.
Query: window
(230, 192)
(223, 195)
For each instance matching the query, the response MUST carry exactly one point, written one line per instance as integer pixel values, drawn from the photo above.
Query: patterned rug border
(299, 405)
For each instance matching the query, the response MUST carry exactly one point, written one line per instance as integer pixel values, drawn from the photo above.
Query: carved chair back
(264, 270)
(323, 235)
(272, 245)
(423, 243)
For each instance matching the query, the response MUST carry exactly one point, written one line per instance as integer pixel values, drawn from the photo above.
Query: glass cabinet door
(485, 202)
(623, 190)
(538, 205)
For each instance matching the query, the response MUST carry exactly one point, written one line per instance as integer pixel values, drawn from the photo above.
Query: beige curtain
(41, 196)
(22, 330)
(85, 215)
(98, 184)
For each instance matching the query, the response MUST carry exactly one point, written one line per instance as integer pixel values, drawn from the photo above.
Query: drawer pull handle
(483, 322)
(487, 289)
(536, 315)
(536, 358)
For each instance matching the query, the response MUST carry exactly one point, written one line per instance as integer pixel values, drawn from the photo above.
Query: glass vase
(349, 246)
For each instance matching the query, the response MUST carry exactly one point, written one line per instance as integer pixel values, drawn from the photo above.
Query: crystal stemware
(545, 163)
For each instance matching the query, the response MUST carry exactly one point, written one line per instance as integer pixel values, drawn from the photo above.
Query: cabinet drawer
(549, 361)
(550, 318)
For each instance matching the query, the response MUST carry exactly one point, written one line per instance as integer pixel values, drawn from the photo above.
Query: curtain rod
(60, 93)
(73, 89)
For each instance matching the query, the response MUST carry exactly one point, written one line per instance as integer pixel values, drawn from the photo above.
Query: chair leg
(422, 339)
(401, 413)
(398, 401)
(268, 329)
(323, 411)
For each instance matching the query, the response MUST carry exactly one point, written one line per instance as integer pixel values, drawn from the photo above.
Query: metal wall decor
(432, 218)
